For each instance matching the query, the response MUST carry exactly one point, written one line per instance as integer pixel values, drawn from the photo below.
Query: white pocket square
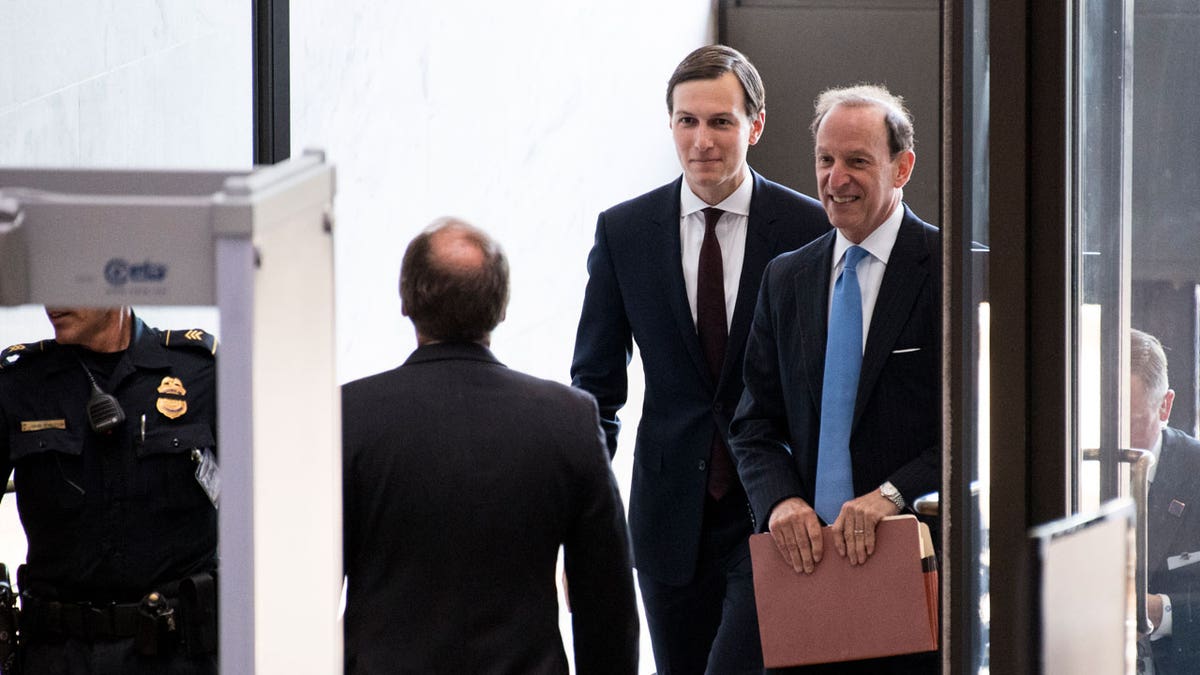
(906, 350)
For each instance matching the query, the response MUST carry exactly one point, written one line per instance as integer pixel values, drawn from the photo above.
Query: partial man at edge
(1173, 511)
(461, 480)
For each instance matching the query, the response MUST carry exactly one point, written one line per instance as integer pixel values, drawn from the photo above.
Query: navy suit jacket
(1173, 519)
(896, 432)
(636, 292)
(461, 479)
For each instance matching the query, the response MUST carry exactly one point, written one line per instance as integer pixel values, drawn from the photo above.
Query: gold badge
(169, 405)
(42, 425)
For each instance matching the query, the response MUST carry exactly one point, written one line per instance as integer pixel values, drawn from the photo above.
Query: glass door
(1093, 229)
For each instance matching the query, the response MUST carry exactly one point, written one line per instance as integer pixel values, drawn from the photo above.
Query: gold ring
(859, 531)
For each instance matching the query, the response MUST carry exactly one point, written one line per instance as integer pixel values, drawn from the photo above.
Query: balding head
(454, 283)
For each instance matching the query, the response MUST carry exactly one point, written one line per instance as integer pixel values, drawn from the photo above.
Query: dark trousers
(69, 656)
(709, 625)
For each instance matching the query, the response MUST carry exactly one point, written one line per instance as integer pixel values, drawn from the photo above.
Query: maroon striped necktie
(712, 328)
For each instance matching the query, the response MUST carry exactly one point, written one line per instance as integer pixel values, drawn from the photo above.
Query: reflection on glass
(1164, 292)
(976, 314)
(1138, 234)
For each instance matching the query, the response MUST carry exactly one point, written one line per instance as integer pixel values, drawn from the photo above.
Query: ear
(904, 167)
(756, 126)
(1164, 409)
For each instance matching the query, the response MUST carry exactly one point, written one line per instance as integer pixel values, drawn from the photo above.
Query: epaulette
(196, 338)
(21, 353)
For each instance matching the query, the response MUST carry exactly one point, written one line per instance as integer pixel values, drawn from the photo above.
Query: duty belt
(85, 621)
(157, 624)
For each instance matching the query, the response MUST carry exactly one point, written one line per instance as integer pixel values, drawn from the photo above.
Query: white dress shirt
(731, 233)
(870, 269)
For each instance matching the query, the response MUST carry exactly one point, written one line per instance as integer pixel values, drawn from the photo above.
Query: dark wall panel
(802, 47)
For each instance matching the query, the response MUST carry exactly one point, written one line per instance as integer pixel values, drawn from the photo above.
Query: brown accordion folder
(884, 607)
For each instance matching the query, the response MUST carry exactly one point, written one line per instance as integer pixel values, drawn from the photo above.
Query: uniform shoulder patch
(196, 338)
(21, 353)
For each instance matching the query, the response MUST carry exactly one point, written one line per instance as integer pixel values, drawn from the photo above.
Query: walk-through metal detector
(258, 246)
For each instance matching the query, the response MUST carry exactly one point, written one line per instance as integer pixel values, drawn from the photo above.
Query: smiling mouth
(842, 200)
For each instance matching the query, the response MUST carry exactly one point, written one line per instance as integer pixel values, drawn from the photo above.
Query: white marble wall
(526, 118)
(159, 83)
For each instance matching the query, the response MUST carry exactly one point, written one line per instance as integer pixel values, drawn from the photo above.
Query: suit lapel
(811, 292)
(760, 248)
(1172, 480)
(902, 281)
(670, 275)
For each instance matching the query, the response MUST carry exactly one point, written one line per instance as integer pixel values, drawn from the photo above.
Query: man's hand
(854, 529)
(797, 533)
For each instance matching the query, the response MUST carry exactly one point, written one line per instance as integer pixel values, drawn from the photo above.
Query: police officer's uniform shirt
(110, 516)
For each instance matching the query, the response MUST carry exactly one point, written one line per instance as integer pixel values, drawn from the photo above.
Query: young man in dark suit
(461, 480)
(677, 270)
(840, 421)
(1172, 520)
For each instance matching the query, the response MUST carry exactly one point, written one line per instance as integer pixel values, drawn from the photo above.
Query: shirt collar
(738, 202)
(879, 243)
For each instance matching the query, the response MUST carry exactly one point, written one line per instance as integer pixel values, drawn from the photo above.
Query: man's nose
(703, 139)
(838, 175)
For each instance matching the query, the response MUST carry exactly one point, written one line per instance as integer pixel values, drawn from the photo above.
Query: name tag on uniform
(208, 475)
(1183, 560)
(42, 425)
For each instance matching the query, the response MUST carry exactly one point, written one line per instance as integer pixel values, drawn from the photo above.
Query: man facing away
(461, 480)
(110, 430)
(677, 270)
(840, 422)
(1172, 520)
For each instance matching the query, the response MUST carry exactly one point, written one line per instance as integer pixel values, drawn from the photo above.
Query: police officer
(110, 429)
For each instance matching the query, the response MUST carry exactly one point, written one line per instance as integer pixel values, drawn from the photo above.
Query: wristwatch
(891, 494)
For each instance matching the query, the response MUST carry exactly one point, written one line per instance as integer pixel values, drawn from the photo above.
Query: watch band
(889, 492)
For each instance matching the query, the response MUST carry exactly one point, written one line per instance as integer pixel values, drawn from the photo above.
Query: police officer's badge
(170, 401)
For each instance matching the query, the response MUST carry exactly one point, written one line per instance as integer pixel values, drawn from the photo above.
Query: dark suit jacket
(461, 480)
(1177, 479)
(897, 415)
(636, 291)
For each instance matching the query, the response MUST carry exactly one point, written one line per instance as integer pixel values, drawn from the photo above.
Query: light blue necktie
(843, 361)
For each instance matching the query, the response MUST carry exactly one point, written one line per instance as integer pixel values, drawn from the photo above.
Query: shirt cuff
(1163, 629)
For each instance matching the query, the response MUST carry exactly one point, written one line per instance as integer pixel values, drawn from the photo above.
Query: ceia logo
(118, 272)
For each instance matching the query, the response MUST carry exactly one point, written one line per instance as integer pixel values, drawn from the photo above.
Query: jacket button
(703, 465)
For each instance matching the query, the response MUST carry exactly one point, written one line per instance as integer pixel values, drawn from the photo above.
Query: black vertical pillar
(272, 82)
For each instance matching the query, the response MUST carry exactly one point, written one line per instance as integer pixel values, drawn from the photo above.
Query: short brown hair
(713, 61)
(896, 117)
(1148, 363)
(449, 299)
